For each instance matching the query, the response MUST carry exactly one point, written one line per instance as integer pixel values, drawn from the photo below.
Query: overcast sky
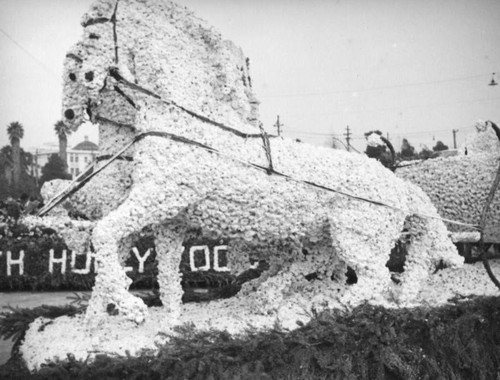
(414, 69)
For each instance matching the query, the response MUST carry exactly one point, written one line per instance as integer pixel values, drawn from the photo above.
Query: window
(71, 158)
(77, 171)
(76, 158)
(86, 159)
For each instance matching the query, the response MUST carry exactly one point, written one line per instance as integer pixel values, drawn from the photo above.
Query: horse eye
(89, 76)
(70, 114)
(72, 76)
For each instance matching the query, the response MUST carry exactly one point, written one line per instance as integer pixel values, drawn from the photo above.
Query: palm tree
(62, 132)
(15, 131)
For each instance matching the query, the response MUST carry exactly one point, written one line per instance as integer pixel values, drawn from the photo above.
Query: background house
(79, 157)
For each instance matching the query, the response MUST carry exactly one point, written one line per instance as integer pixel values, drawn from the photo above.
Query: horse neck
(112, 138)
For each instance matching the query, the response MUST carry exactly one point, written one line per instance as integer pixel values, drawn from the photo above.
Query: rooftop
(86, 145)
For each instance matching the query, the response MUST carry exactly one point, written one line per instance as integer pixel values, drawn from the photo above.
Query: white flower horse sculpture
(153, 66)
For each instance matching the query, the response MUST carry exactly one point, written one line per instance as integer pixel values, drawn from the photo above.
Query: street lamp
(493, 82)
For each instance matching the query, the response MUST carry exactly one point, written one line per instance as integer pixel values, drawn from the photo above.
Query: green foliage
(15, 130)
(13, 324)
(27, 182)
(425, 153)
(456, 341)
(439, 146)
(54, 169)
(407, 151)
(61, 129)
(7, 160)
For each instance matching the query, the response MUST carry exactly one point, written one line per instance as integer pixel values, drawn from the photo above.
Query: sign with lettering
(201, 257)
(29, 261)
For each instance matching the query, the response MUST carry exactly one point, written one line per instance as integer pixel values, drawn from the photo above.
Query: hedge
(456, 341)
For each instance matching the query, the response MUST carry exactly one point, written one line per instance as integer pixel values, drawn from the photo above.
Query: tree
(425, 153)
(407, 151)
(440, 146)
(27, 183)
(62, 131)
(54, 169)
(7, 161)
(16, 132)
(380, 151)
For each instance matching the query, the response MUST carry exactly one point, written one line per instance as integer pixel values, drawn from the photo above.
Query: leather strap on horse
(269, 170)
(80, 181)
(113, 72)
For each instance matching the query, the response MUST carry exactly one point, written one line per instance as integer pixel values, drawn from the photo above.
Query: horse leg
(110, 293)
(169, 248)
(143, 207)
(429, 248)
(362, 238)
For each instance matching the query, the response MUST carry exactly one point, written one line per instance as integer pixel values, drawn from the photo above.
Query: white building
(79, 157)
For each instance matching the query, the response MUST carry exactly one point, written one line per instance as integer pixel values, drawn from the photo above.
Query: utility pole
(278, 125)
(348, 138)
(455, 138)
(36, 167)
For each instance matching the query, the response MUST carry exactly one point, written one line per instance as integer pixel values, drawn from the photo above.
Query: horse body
(153, 66)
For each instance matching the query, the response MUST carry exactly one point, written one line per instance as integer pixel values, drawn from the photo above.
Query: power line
(308, 133)
(27, 52)
(404, 107)
(305, 94)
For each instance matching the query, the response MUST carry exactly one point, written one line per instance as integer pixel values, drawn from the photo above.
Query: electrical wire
(389, 87)
(27, 52)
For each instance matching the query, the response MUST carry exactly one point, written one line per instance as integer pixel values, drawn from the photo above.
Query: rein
(269, 170)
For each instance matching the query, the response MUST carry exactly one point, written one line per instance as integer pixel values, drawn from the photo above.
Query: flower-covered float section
(178, 101)
(459, 185)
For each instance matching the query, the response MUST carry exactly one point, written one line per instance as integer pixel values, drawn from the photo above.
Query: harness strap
(70, 190)
(80, 181)
(113, 72)
(268, 170)
(108, 156)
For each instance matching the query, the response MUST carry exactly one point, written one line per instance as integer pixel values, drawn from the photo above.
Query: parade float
(183, 150)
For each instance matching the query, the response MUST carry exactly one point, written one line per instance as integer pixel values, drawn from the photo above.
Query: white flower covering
(471, 237)
(75, 233)
(482, 140)
(459, 185)
(166, 50)
(374, 140)
(106, 190)
(298, 229)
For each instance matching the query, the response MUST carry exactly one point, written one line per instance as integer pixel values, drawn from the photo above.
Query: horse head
(132, 53)
(88, 65)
